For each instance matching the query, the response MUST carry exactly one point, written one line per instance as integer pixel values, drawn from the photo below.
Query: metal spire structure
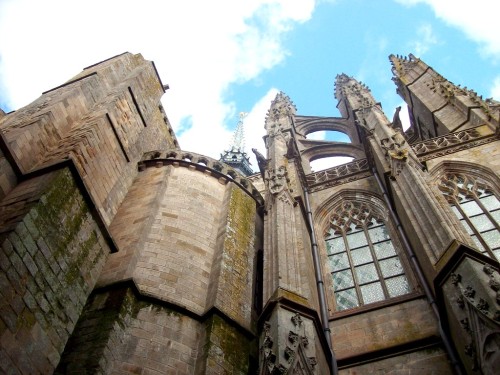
(236, 156)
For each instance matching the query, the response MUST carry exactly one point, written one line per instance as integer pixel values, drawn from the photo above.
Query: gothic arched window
(477, 208)
(364, 263)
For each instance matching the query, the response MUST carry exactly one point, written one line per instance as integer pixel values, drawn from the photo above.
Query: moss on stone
(226, 349)
(238, 249)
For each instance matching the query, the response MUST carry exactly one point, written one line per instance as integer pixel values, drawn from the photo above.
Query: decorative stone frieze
(338, 175)
(451, 143)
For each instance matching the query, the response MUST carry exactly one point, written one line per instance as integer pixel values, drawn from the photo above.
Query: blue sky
(227, 56)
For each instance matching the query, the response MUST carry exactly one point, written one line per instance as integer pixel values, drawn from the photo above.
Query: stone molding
(451, 143)
(339, 175)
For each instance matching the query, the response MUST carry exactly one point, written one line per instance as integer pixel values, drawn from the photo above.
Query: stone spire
(444, 107)
(356, 95)
(281, 107)
(407, 69)
(236, 156)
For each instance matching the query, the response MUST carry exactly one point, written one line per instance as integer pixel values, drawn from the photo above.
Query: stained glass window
(477, 208)
(364, 264)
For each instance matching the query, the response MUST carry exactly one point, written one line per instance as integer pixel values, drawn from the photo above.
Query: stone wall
(52, 253)
(431, 361)
(383, 328)
(103, 120)
(119, 334)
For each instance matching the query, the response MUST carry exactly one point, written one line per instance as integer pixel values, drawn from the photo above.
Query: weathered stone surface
(192, 268)
(51, 256)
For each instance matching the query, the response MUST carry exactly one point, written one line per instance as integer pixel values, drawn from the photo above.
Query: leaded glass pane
(467, 226)
(378, 234)
(384, 249)
(482, 222)
(356, 240)
(372, 292)
(478, 243)
(391, 267)
(492, 238)
(397, 286)
(353, 229)
(346, 299)
(331, 233)
(497, 254)
(490, 202)
(335, 245)
(361, 255)
(339, 261)
(343, 279)
(471, 208)
(496, 216)
(366, 273)
(456, 211)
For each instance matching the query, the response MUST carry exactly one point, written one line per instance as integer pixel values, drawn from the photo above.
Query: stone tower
(123, 253)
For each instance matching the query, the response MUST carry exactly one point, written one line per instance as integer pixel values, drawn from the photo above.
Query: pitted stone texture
(383, 328)
(119, 334)
(431, 361)
(187, 239)
(52, 252)
(94, 120)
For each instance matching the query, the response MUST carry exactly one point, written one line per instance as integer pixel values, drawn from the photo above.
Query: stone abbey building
(122, 253)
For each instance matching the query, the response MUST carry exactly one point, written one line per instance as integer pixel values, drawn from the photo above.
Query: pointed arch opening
(473, 193)
(362, 252)
(477, 207)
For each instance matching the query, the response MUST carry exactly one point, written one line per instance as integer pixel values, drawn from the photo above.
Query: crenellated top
(209, 166)
(355, 93)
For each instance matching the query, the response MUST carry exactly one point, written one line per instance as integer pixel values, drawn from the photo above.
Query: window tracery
(364, 263)
(478, 209)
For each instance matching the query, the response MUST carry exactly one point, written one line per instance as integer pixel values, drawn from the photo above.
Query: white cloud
(329, 162)
(425, 40)
(479, 20)
(199, 47)
(495, 90)
(254, 126)
(318, 136)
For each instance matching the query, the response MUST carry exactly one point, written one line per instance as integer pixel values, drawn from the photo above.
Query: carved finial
(402, 65)
(296, 319)
(267, 327)
(293, 337)
(483, 306)
(455, 278)
(465, 324)
(312, 361)
(357, 93)
(281, 106)
(289, 354)
(469, 292)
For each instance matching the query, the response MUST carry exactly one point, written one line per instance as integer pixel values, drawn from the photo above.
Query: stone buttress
(454, 138)
(291, 338)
